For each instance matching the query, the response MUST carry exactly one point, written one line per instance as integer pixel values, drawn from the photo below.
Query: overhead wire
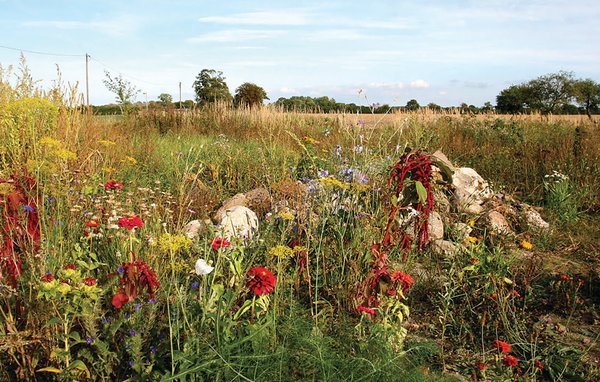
(42, 53)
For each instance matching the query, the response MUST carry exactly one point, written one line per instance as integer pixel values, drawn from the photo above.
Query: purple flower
(361, 177)
(90, 340)
(127, 316)
(131, 332)
(358, 149)
(120, 270)
(105, 320)
(337, 151)
(152, 349)
(127, 346)
(152, 300)
(28, 208)
(195, 285)
(323, 173)
(138, 306)
(131, 363)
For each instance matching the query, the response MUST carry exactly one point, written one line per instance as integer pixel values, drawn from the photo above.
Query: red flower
(509, 360)
(113, 185)
(130, 222)
(89, 281)
(538, 364)
(120, 299)
(514, 293)
(405, 279)
(47, 277)
(219, 242)
(565, 278)
(493, 296)
(70, 266)
(261, 281)
(504, 347)
(481, 366)
(92, 224)
(366, 310)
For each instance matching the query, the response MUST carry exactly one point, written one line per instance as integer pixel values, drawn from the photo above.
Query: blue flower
(127, 316)
(131, 363)
(28, 208)
(152, 349)
(138, 306)
(131, 332)
(127, 346)
(195, 285)
(120, 270)
(323, 173)
(90, 340)
(152, 300)
(358, 149)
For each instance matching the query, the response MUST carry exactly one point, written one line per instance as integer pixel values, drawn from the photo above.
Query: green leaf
(422, 192)
(79, 365)
(507, 280)
(49, 369)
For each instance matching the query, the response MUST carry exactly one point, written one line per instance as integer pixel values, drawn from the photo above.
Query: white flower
(202, 267)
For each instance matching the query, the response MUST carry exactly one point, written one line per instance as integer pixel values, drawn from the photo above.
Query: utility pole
(180, 94)
(87, 82)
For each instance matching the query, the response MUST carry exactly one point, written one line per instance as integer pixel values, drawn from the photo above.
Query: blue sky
(442, 51)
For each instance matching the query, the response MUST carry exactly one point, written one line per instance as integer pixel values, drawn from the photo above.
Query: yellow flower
(131, 160)
(50, 143)
(472, 239)
(526, 245)
(332, 182)
(173, 243)
(360, 187)
(109, 170)
(299, 249)
(281, 251)
(285, 215)
(6, 188)
(65, 155)
(106, 143)
(472, 223)
(63, 288)
(310, 140)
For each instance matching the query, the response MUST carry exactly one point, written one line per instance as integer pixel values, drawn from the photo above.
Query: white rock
(497, 223)
(235, 200)
(445, 247)
(533, 219)
(194, 228)
(436, 226)
(470, 190)
(238, 222)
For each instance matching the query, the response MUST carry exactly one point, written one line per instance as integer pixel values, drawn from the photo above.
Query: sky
(388, 52)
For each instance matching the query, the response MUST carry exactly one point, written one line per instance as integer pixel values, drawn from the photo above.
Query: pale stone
(497, 223)
(445, 247)
(441, 157)
(470, 190)
(195, 228)
(238, 222)
(436, 226)
(236, 200)
(533, 219)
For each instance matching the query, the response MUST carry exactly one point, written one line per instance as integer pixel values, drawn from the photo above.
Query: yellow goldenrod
(281, 251)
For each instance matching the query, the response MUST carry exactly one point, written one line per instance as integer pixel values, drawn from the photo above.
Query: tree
(434, 106)
(210, 87)
(587, 95)
(124, 91)
(551, 92)
(512, 100)
(250, 95)
(165, 99)
(412, 105)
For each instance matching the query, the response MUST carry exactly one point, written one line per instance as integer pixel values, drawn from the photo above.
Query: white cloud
(231, 35)
(338, 35)
(118, 26)
(419, 84)
(387, 85)
(290, 17)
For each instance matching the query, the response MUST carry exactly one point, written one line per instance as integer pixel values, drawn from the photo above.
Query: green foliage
(210, 87)
(587, 95)
(249, 95)
(165, 99)
(125, 91)
(412, 105)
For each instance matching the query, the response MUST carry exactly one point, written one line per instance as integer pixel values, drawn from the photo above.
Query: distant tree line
(555, 93)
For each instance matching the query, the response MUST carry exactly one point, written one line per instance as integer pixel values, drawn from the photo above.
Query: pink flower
(370, 311)
(130, 222)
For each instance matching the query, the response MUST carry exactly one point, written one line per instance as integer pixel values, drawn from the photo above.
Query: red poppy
(482, 366)
(261, 281)
(514, 293)
(504, 347)
(70, 266)
(509, 360)
(120, 299)
(89, 281)
(493, 296)
(366, 310)
(538, 364)
(130, 222)
(48, 277)
(405, 279)
(219, 242)
(92, 224)
(113, 185)
(565, 278)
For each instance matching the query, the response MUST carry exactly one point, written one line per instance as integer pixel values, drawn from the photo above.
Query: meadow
(99, 281)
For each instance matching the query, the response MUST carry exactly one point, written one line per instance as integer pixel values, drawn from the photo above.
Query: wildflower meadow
(121, 259)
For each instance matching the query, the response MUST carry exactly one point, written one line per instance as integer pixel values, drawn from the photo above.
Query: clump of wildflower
(202, 268)
(113, 185)
(510, 360)
(526, 245)
(286, 215)
(404, 280)
(173, 243)
(281, 252)
(135, 276)
(107, 143)
(503, 347)
(261, 281)
(332, 182)
(310, 140)
(472, 240)
(367, 310)
(130, 222)
(220, 242)
(130, 160)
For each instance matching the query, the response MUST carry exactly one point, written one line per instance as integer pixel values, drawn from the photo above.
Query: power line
(42, 53)
(123, 74)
